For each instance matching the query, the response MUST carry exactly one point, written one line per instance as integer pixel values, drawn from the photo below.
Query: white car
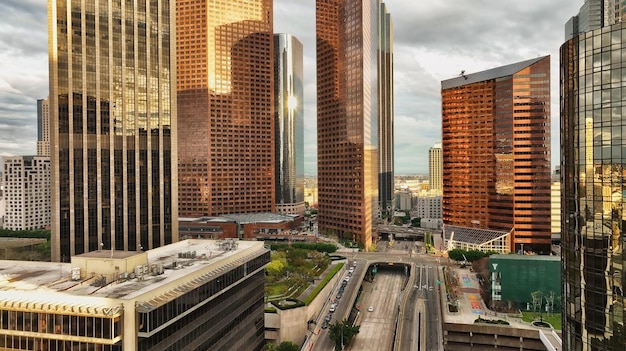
(370, 309)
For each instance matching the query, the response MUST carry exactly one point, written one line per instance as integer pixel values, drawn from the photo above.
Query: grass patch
(323, 283)
(553, 318)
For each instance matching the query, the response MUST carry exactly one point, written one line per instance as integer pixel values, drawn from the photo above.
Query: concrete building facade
(435, 168)
(27, 192)
(126, 300)
(112, 125)
(43, 128)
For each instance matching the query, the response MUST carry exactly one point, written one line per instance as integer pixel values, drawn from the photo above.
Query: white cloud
(434, 40)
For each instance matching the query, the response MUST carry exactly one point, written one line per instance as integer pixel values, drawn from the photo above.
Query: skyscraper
(435, 168)
(496, 152)
(347, 117)
(593, 158)
(112, 125)
(225, 106)
(43, 128)
(289, 127)
(385, 113)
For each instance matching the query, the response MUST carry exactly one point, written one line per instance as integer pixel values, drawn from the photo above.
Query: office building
(496, 152)
(225, 107)
(593, 108)
(386, 111)
(112, 125)
(435, 168)
(404, 200)
(289, 124)
(428, 207)
(555, 211)
(27, 192)
(347, 117)
(190, 295)
(43, 128)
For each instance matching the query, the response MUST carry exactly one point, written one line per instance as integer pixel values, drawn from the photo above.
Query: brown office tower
(347, 113)
(496, 152)
(112, 125)
(226, 106)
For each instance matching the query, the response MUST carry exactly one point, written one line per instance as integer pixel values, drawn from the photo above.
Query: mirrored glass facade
(225, 106)
(385, 105)
(347, 117)
(593, 172)
(496, 152)
(289, 128)
(113, 125)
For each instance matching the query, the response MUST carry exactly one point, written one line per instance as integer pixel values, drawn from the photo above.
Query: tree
(537, 297)
(416, 222)
(287, 346)
(342, 333)
(274, 267)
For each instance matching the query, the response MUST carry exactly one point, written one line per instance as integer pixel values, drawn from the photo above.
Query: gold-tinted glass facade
(225, 106)
(386, 187)
(347, 117)
(593, 188)
(496, 158)
(113, 125)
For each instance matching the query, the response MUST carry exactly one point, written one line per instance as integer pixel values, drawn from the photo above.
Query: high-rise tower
(385, 110)
(435, 168)
(225, 106)
(496, 152)
(289, 127)
(347, 117)
(593, 169)
(43, 128)
(112, 125)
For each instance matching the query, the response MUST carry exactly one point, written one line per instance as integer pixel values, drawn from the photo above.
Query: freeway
(420, 325)
(377, 326)
(416, 297)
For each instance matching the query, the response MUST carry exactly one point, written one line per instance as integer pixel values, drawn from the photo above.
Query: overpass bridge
(392, 232)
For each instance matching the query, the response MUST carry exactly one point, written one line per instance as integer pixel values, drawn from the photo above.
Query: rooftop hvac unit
(76, 273)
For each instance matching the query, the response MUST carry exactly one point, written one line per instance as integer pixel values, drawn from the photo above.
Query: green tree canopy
(342, 332)
(287, 346)
(471, 255)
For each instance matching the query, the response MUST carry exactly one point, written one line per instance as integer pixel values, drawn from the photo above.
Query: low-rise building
(27, 192)
(193, 294)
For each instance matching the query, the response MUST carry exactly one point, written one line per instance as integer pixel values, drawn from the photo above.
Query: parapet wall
(478, 337)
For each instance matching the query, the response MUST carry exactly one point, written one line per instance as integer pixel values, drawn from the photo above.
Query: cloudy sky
(434, 40)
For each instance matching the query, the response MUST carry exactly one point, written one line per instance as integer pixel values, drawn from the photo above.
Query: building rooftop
(265, 217)
(173, 269)
(502, 71)
(471, 235)
(514, 257)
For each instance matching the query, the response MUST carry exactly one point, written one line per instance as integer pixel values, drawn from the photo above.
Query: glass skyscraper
(385, 110)
(112, 125)
(289, 124)
(496, 152)
(225, 107)
(347, 117)
(593, 173)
